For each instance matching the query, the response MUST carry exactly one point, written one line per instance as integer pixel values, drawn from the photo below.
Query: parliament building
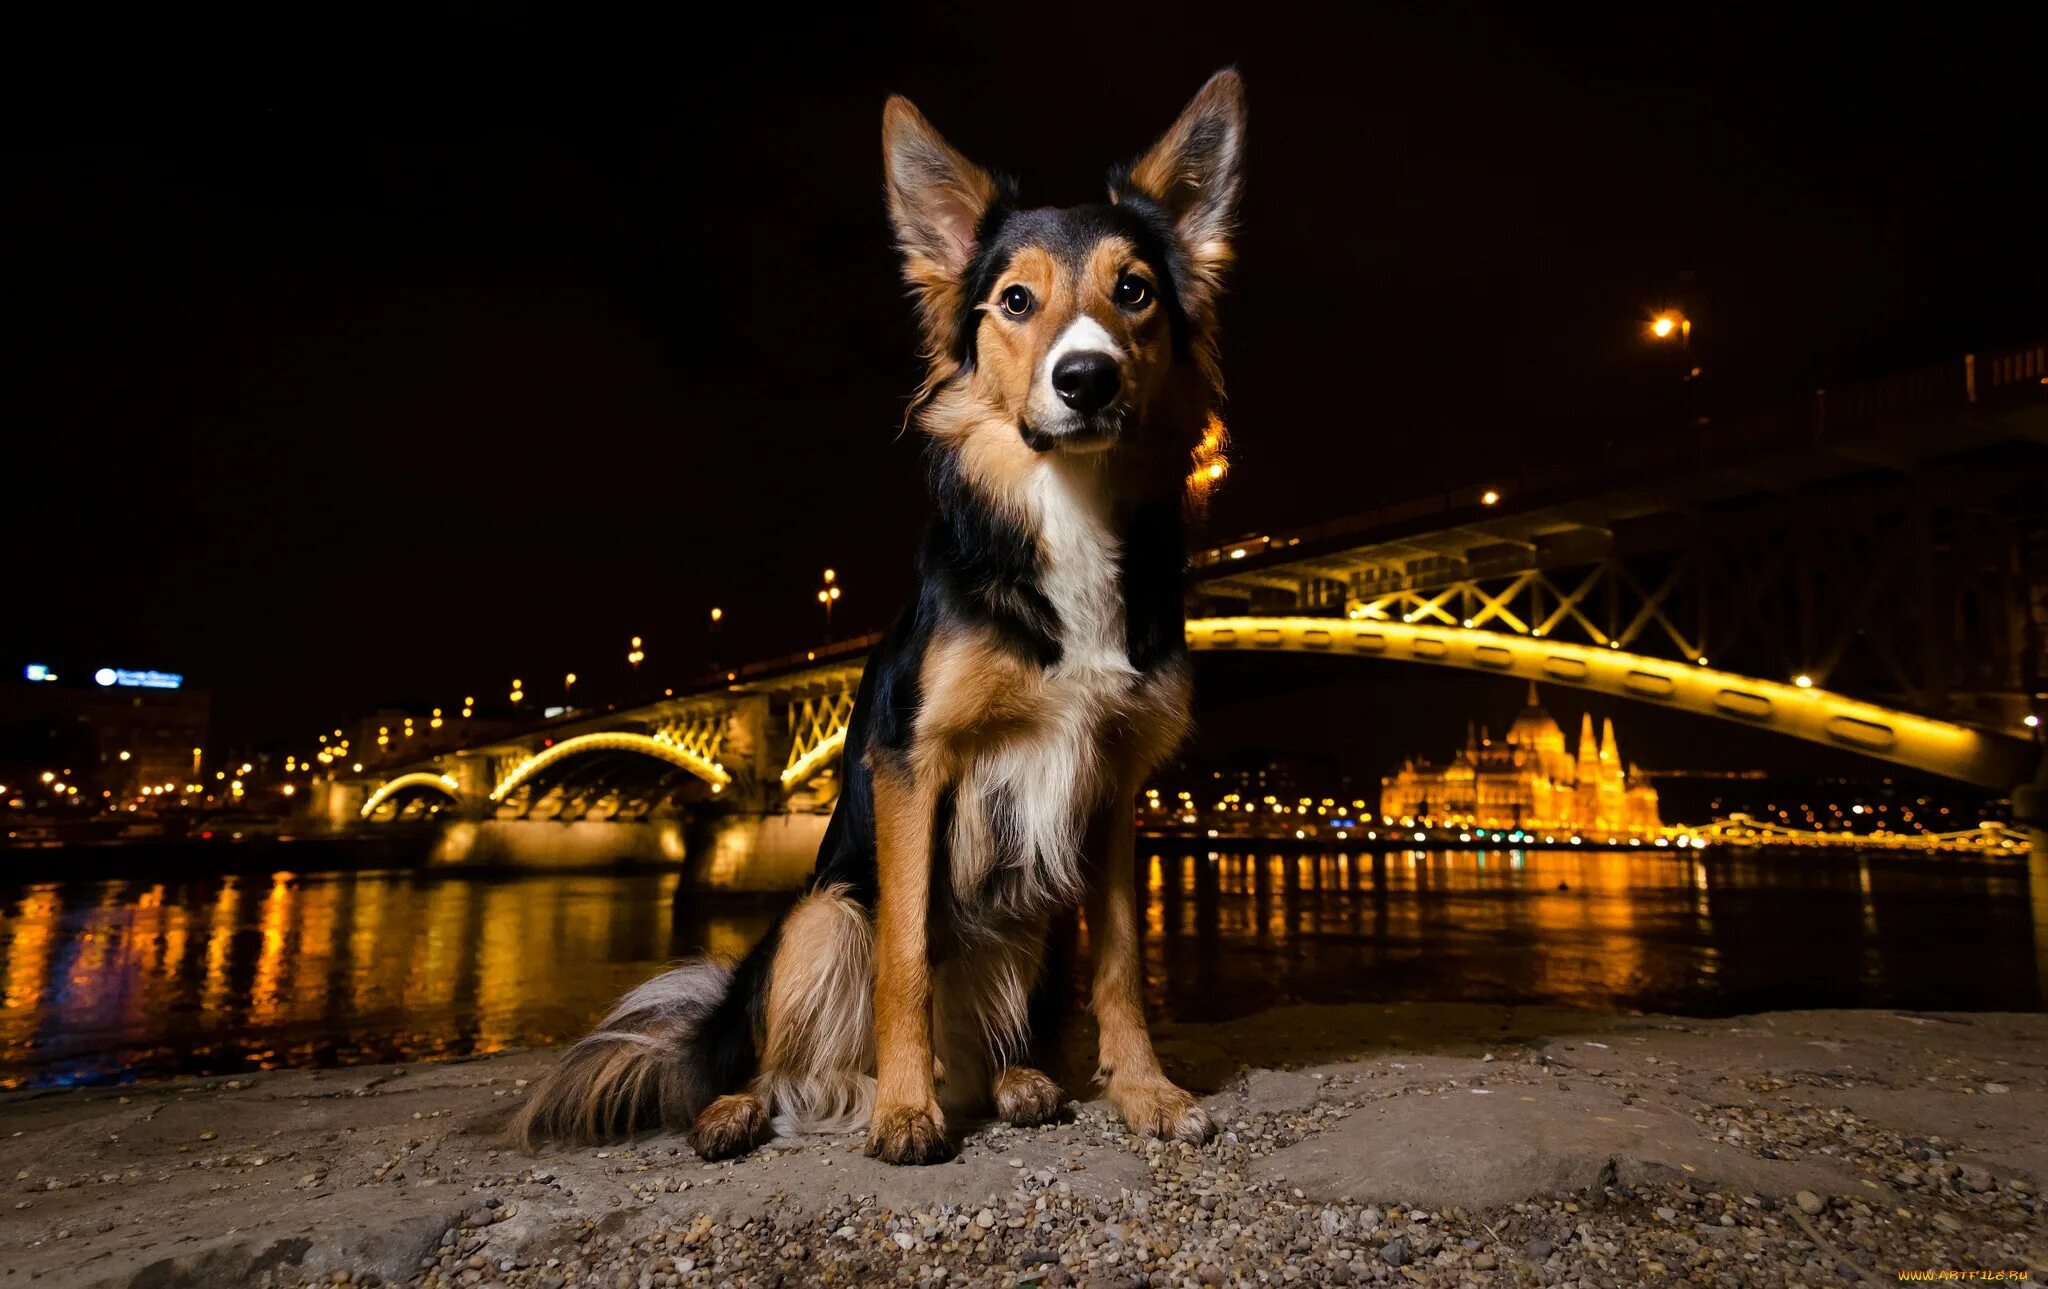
(1529, 780)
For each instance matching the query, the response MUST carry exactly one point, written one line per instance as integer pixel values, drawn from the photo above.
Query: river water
(111, 980)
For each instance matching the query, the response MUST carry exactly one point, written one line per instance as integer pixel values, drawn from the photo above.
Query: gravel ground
(1203, 1221)
(1795, 1150)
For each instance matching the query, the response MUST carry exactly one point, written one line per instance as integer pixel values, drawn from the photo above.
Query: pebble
(1809, 1203)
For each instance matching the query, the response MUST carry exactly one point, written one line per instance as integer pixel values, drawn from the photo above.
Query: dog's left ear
(1194, 173)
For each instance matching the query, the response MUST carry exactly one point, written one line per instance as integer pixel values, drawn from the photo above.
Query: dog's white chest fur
(1026, 802)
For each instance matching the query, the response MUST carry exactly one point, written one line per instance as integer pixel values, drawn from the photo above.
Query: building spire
(1610, 747)
(1533, 700)
(1589, 747)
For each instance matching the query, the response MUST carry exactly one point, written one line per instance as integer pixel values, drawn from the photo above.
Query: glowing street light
(828, 595)
(1803, 680)
(636, 655)
(568, 687)
(1489, 498)
(1671, 323)
(518, 691)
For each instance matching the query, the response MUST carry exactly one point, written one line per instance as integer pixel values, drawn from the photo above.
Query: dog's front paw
(908, 1135)
(1160, 1109)
(1025, 1097)
(731, 1125)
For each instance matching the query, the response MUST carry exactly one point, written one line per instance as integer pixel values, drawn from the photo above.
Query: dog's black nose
(1085, 381)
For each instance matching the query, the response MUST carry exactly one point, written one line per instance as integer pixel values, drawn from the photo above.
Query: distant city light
(37, 671)
(1489, 498)
(106, 677)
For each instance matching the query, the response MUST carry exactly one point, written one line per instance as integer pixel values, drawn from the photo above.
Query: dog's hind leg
(819, 1041)
(982, 1011)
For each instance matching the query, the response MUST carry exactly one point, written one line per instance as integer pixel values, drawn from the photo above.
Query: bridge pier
(750, 850)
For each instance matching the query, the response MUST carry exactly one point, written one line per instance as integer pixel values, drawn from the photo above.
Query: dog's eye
(1016, 301)
(1133, 291)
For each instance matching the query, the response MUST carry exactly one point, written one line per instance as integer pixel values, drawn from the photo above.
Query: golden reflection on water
(106, 980)
(231, 973)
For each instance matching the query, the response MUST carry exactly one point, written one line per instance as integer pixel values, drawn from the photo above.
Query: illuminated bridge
(1866, 570)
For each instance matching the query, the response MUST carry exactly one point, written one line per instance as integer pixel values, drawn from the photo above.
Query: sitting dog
(1006, 721)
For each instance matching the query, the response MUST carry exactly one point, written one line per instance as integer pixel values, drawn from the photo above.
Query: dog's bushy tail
(647, 1065)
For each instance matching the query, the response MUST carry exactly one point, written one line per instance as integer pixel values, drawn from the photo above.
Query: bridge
(1866, 570)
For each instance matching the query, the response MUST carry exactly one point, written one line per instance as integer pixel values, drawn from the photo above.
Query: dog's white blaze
(1054, 774)
(1083, 335)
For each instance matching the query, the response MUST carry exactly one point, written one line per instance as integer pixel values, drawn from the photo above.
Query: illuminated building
(1529, 779)
(113, 731)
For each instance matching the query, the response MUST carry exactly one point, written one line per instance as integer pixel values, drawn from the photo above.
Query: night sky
(394, 363)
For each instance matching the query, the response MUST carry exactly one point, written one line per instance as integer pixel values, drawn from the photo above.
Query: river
(112, 980)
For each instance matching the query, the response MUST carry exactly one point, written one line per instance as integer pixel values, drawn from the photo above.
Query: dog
(1005, 723)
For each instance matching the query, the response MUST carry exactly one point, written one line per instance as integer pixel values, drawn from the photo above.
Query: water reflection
(116, 979)
(1718, 935)
(122, 979)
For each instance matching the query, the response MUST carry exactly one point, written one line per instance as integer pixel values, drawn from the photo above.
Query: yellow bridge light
(1803, 680)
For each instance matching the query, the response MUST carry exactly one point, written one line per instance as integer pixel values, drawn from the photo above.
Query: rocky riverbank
(1400, 1144)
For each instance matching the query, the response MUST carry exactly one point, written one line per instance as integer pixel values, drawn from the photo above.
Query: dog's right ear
(936, 201)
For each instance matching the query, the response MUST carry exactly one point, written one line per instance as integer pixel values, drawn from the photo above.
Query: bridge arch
(441, 783)
(1815, 715)
(659, 748)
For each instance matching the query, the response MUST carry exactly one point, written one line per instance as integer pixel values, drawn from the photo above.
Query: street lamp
(568, 688)
(636, 655)
(518, 691)
(1671, 323)
(828, 595)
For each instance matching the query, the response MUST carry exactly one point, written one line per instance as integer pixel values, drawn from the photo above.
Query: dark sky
(381, 362)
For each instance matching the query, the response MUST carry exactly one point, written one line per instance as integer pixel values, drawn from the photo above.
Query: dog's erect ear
(936, 200)
(1194, 173)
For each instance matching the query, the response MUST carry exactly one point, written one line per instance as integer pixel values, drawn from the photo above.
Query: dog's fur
(1006, 721)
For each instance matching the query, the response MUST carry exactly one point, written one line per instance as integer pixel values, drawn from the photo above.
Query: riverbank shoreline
(1402, 1143)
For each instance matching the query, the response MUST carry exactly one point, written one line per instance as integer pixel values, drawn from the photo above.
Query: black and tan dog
(1005, 723)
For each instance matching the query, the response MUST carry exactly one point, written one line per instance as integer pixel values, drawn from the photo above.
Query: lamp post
(711, 635)
(568, 689)
(828, 595)
(635, 654)
(1670, 326)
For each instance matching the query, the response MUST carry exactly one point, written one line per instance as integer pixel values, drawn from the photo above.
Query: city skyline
(339, 395)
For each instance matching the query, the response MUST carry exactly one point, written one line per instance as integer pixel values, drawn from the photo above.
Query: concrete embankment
(1401, 1144)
